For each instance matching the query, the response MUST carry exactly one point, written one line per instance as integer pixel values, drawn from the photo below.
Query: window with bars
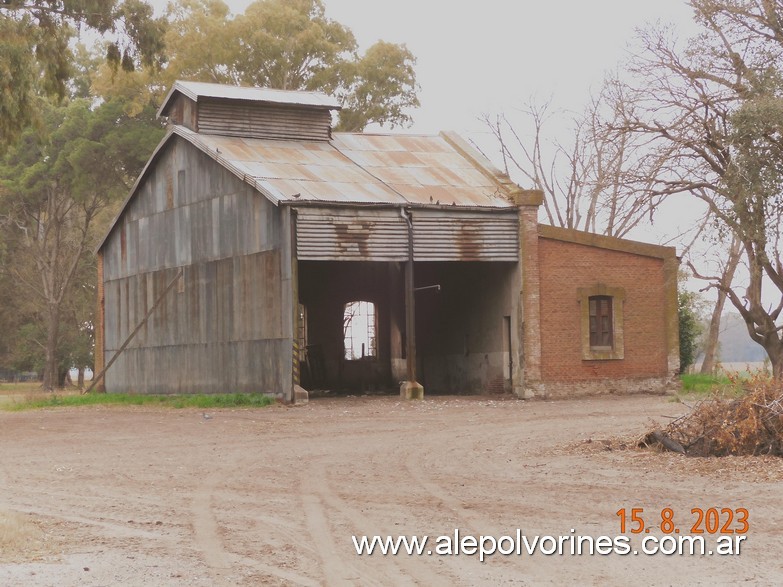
(359, 330)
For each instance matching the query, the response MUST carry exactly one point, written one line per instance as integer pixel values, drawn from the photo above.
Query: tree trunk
(776, 358)
(713, 334)
(711, 344)
(80, 378)
(51, 367)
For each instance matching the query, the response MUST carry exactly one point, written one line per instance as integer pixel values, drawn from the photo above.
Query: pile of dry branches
(749, 425)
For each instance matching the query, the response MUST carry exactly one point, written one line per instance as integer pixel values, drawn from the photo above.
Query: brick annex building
(260, 252)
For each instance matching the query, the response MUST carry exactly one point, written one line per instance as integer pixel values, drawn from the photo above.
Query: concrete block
(411, 390)
(301, 396)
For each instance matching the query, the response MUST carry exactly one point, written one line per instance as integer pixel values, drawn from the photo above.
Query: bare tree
(714, 106)
(52, 235)
(710, 362)
(592, 183)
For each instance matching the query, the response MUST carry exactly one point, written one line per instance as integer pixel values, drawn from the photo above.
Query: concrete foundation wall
(613, 386)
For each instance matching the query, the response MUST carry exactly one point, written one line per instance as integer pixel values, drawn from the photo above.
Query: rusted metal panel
(232, 303)
(356, 234)
(451, 236)
(326, 234)
(264, 121)
(361, 169)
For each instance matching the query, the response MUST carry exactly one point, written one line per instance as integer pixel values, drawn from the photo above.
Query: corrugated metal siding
(230, 300)
(223, 327)
(351, 235)
(449, 236)
(211, 214)
(327, 234)
(263, 121)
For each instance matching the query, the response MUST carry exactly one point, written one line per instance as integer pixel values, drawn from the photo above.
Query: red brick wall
(566, 266)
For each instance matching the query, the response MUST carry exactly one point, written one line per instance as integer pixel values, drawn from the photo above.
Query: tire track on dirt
(402, 569)
(476, 523)
(332, 564)
(223, 564)
(206, 531)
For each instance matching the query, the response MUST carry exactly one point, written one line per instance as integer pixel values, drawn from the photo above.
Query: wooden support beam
(139, 326)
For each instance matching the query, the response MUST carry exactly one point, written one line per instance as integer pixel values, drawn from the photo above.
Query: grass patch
(697, 383)
(204, 401)
(23, 387)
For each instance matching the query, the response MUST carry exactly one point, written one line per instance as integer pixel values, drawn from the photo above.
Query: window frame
(616, 350)
(372, 332)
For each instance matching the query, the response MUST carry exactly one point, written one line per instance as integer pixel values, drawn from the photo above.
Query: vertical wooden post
(410, 320)
(299, 395)
(100, 327)
(410, 389)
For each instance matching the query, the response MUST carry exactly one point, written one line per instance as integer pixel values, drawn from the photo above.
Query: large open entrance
(352, 325)
(369, 275)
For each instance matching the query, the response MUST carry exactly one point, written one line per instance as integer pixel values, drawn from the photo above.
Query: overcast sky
(491, 56)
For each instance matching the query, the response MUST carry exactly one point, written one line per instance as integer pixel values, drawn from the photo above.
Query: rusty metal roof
(361, 169)
(196, 90)
(354, 169)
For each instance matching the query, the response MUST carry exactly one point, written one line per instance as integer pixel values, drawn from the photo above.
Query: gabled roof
(355, 169)
(198, 90)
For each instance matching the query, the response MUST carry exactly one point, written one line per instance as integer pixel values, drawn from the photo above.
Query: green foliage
(17, 77)
(89, 154)
(203, 401)
(690, 327)
(35, 49)
(699, 384)
(28, 351)
(291, 45)
(54, 183)
(382, 88)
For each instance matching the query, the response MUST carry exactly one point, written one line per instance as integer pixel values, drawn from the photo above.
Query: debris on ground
(751, 424)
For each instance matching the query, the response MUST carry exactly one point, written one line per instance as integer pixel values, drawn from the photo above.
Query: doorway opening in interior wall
(359, 330)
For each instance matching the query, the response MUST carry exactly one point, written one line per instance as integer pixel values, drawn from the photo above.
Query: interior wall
(462, 330)
(324, 288)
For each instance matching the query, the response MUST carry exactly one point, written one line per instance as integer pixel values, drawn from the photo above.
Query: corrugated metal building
(237, 258)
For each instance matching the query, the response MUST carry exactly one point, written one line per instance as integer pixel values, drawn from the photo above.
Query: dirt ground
(148, 496)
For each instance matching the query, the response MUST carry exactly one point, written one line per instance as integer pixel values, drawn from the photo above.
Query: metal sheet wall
(220, 310)
(189, 209)
(325, 234)
(263, 121)
(465, 236)
(328, 234)
(223, 326)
